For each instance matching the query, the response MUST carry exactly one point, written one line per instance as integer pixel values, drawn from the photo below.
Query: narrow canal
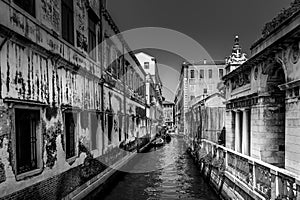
(162, 173)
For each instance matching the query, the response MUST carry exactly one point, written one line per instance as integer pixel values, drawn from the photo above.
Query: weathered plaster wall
(28, 76)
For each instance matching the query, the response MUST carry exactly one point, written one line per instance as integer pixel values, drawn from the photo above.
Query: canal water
(165, 173)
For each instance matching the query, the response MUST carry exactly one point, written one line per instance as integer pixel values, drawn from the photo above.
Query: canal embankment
(102, 180)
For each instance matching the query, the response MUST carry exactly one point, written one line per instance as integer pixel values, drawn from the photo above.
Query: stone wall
(292, 140)
(229, 125)
(268, 133)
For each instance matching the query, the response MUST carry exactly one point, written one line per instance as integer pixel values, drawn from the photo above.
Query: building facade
(206, 119)
(153, 92)
(262, 107)
(261, 158)
(196, 80)
(69, 96)
(168, 113)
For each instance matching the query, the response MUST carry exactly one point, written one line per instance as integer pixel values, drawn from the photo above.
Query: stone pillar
(246, 133)
(238, 132)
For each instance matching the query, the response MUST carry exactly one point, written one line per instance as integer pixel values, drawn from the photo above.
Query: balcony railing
(254, 176)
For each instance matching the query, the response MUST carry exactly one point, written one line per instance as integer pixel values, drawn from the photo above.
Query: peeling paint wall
(81, 21)
(39, 70)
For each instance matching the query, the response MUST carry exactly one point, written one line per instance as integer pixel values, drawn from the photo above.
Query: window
(70, 134)
(201, 73)
(27, 139)
(92, 37)
(27, 5)
(205, 90)
(146, 65)
(67, 21)
(120, 126)
(210, 73)
(192, 97)
(94, 126)
(221, 73)
(192, 73)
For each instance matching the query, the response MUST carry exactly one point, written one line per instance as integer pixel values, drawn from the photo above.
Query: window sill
(71, 160)
(28, 174)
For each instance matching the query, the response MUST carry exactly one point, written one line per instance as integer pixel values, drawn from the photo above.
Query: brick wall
(58, 186)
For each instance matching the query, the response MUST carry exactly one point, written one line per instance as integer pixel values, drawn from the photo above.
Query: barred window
(27, 133)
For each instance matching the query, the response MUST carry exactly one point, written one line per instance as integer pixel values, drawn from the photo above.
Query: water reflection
(176, 177)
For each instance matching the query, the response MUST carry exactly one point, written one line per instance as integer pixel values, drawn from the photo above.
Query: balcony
(254, 177)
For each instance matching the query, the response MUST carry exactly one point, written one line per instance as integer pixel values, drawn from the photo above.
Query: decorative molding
(241, 79)
(248, 102)
(290, 85)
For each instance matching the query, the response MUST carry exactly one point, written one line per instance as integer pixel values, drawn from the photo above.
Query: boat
(158, 142)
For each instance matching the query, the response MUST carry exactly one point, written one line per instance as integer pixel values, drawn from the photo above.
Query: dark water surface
(164, 173)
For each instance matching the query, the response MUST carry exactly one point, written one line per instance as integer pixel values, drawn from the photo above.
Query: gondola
(158, 142)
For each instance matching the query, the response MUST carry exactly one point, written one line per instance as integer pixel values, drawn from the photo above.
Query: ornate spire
(237, 57)
(236, 47)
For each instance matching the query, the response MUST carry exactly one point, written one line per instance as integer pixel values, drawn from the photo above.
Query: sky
(213, 24)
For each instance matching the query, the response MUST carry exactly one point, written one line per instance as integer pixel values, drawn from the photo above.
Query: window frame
(192, 72)
(39, 143)
(72, 158)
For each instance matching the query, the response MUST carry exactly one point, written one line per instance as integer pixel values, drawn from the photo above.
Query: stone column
(246, 133)
(237, 131)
